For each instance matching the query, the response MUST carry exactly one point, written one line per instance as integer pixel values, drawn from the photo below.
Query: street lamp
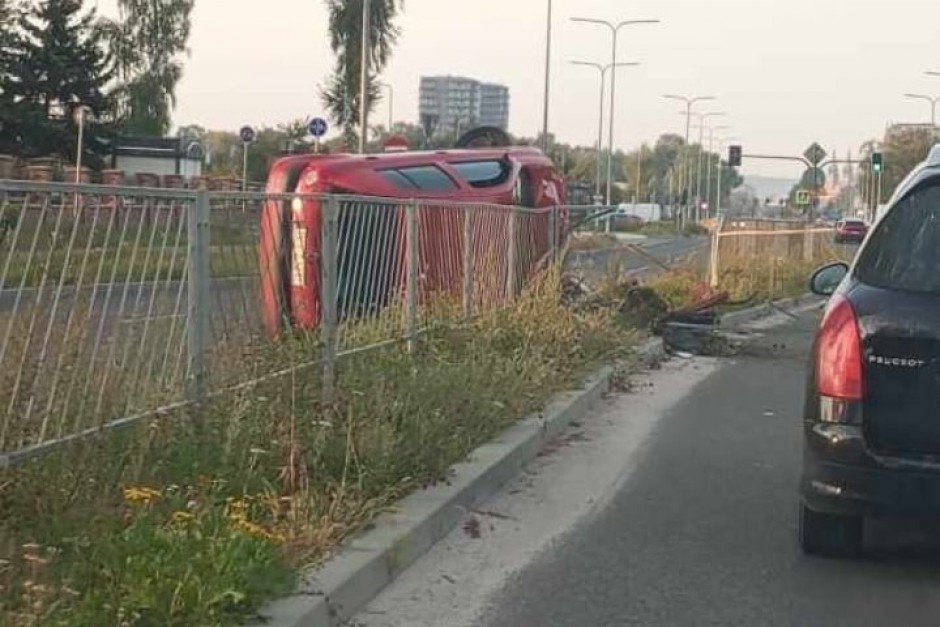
(364, 79)
(711, 147)
(614, 29)
(548, 71)
(702, 118)
(689, 102)
(391, 105)
(933, 105)
(602, 69)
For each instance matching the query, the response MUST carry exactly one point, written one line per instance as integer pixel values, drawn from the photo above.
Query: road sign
(815, 154)
(802, 197)
(317, 127)
(247, 134)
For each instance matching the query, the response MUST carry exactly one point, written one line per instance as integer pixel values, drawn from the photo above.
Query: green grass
(198, 519)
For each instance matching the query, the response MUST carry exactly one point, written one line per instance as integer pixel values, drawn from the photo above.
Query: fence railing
(123, 304)
(768, 248)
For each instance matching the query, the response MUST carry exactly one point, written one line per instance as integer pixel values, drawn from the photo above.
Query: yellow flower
(181, 517)
(140, 495)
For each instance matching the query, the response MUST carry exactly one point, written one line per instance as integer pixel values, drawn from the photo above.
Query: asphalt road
(597, 263)
(704, 532)
(672, 506)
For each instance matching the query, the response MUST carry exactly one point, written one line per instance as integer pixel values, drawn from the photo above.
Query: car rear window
(853, 223)
(904, 250)
(482, 173)
(424, 177)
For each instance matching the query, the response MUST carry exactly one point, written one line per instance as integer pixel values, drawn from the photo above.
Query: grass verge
(198, 519)
(751, 278)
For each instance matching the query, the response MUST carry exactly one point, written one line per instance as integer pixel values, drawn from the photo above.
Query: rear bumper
(864, 489)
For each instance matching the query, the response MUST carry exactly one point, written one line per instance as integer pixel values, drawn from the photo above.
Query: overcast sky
(786, 72)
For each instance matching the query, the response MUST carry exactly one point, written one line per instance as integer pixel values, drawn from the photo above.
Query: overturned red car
(372, 191)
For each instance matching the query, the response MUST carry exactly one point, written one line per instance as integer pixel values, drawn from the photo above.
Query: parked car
(871, 425)
(850, 230)
(290, 246)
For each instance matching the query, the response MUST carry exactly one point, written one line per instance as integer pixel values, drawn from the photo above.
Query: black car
(872, 411)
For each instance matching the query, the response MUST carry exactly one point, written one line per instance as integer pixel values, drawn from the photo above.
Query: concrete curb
(736, 318)
(331, 596)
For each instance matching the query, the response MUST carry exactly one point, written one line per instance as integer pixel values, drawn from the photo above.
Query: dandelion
(140, 495)
(181, 518)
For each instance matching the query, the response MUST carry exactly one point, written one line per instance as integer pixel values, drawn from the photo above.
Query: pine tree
(10, 42)
(58, 64)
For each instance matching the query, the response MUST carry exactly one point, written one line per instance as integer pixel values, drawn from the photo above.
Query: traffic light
(734, 156)
(877, 162)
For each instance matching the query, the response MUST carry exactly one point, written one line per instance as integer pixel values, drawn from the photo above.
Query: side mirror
(827, 279)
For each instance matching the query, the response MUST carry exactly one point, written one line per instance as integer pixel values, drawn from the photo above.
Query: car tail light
(839, 372)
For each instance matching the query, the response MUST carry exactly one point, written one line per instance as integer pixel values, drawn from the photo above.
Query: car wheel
(830, 535)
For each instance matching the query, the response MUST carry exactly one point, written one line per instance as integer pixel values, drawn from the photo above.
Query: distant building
(455, 103)
(494, 105)
(160, 156)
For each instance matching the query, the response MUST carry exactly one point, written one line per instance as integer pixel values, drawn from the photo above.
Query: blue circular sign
(247, 134)
(318, 127)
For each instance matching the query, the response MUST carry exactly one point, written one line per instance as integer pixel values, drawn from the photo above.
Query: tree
(148, 42)
(341, 93)
(10, 43)
(903, 148)
(57, 63)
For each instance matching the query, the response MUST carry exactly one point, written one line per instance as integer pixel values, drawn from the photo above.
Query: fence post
(412, 279)
(468, 263)
(553, 234)
(511, 255)
(809, 242)
(328, 310)
(197, 334)
(715, 259)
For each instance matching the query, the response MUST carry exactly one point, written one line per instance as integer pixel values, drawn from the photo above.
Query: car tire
(830, 535)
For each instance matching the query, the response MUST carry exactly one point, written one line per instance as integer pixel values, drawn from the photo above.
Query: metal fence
(773, 247)
(122, 304)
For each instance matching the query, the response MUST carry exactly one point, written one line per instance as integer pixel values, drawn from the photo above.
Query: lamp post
(708, 177)
(602, 69)
(548, 73)
(933, 105)
(702, 119)
(614, 29)
(689, 102)
(364, 79)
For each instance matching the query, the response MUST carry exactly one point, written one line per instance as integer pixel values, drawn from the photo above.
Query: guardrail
(125, 304)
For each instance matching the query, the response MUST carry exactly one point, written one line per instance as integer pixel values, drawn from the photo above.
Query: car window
(482, 173)
(397, 179)
(428, 177)
(904, 250)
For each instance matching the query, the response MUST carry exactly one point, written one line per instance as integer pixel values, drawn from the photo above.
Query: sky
(786, 72)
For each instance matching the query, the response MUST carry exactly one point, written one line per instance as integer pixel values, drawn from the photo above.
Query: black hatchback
(872, 411)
